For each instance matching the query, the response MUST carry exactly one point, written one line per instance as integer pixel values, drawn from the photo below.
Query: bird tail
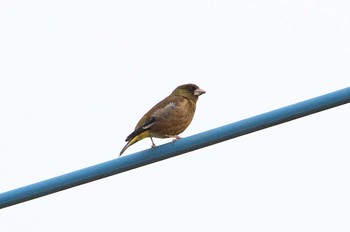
(128, 144)
(133, 139)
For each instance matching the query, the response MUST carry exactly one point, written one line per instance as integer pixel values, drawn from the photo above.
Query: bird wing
(141, 129)
(160, 111)
(165, 111)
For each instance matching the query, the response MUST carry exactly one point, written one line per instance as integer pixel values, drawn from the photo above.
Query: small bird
(168, 118)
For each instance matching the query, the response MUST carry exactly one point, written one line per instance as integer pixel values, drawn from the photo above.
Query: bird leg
(153, 144)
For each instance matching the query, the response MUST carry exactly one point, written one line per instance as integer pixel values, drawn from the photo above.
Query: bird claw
(175, 137)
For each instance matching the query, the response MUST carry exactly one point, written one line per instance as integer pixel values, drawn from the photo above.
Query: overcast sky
(76, 76)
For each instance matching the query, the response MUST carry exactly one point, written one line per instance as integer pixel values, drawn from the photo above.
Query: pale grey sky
(76, 76)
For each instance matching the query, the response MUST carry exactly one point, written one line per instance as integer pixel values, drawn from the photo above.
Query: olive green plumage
(168, 118)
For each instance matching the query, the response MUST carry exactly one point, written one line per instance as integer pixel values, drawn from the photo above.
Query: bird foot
(175, 137)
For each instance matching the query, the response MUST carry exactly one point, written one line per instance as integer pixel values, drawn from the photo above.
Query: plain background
(76, 76)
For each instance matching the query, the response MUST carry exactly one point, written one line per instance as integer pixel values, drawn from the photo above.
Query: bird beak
(199, 92)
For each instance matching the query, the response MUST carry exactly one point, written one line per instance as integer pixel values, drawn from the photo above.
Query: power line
(179, 147)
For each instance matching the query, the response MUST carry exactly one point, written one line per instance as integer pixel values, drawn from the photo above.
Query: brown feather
(169, 118)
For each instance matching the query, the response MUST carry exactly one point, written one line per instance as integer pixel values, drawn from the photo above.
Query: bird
(169, 118)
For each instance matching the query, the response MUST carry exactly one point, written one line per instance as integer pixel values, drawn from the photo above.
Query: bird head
(190, 91)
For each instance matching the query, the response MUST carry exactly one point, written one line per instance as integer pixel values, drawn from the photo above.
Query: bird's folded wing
(141, 129)
(160, 111)
(165, 111)
(149, 123)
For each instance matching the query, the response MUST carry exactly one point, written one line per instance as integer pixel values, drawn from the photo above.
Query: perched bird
(168, 118)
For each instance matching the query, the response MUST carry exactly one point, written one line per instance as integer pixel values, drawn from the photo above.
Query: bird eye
(191, 88)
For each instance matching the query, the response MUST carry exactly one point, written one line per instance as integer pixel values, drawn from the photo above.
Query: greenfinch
(168, 118)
